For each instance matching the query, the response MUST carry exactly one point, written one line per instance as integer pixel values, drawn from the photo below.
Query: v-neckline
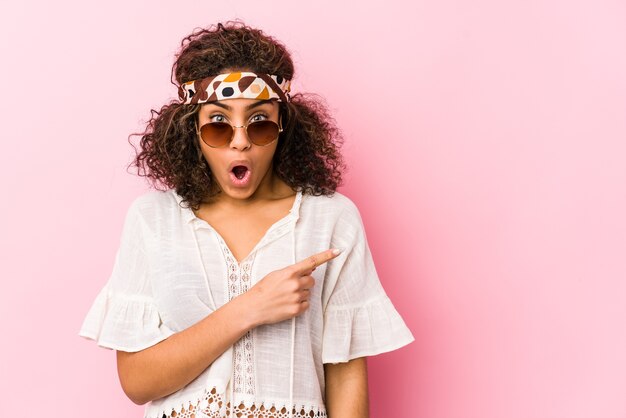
(295, 205)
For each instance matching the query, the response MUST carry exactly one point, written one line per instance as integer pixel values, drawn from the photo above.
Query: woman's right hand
(284, 293)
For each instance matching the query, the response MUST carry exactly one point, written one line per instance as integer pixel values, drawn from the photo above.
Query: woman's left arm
(346, 389)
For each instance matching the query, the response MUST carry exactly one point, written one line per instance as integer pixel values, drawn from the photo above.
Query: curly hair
(307, 158)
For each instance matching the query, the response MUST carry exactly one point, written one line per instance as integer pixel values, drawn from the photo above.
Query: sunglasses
(219, 134)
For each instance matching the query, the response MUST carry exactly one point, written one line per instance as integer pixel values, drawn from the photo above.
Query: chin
(239, 192)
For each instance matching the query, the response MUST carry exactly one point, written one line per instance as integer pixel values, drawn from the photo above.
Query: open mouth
(240, 171)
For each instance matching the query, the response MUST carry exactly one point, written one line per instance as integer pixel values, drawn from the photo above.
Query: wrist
(244, 312)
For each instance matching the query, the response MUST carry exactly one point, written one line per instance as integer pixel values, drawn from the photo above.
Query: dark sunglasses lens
(216, 134)
(263, 132)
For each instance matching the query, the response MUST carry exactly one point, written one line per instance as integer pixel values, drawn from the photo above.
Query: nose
(240, 139)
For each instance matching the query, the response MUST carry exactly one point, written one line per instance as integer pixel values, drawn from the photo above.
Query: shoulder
(153, 200)
(335, 202)
(150, 214)
(152, 205)
(335, 207)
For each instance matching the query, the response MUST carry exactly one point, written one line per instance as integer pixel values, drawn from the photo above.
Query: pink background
(486, 145)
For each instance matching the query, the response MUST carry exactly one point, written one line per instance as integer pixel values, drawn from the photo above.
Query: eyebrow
(250, 106)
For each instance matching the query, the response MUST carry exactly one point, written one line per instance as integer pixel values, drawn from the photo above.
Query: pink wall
(486, 146)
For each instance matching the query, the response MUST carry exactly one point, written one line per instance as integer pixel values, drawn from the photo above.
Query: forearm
(168, 366)
(347, 389)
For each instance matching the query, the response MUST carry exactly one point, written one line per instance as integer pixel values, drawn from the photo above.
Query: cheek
(266, 156)
(214, 161)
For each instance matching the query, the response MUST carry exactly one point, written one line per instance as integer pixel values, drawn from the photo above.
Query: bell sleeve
(124, 315)
(359, 318)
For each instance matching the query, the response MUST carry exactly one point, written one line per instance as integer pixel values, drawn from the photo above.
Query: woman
(246, 287)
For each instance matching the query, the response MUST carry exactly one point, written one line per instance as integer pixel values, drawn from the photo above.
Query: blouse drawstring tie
(293, 330)
(206, 277)
(232, 393)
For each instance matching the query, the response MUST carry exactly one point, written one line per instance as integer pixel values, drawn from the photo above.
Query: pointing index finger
(318, 259)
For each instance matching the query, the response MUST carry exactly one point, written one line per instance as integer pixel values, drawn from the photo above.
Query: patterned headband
(235, 85)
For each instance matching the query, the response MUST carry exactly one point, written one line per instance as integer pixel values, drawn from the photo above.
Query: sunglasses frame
(280, 129)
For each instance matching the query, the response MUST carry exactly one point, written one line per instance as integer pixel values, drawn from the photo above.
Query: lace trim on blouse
(212, 405)
(243, 352)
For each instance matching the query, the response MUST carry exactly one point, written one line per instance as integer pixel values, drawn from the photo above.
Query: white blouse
(172, 269)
